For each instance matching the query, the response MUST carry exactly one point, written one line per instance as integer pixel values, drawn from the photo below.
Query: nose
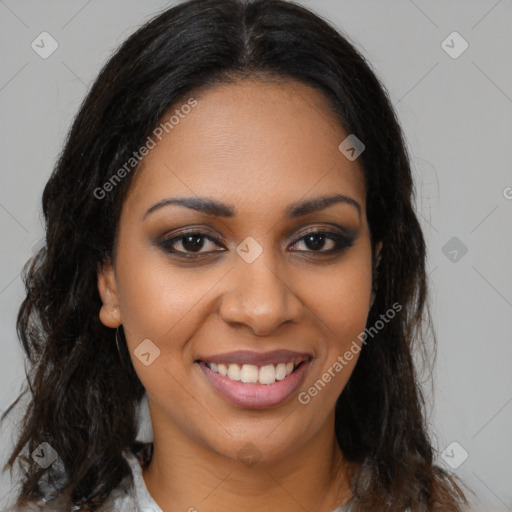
(259, 297)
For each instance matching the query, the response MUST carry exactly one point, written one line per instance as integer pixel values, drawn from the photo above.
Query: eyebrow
(216, 208)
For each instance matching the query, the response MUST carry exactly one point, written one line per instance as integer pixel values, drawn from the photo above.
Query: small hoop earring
(118, 348)
(375, 286)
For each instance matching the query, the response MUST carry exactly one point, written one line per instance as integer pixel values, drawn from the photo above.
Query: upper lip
(257, 358)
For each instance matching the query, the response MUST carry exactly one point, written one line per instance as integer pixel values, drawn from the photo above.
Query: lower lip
(256, 396)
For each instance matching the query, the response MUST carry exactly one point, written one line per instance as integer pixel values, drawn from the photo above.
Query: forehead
(253, 143)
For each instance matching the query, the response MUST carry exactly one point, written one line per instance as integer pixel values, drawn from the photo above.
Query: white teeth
(280, 371)
(251, 374)
(234, 372)
(267, 374)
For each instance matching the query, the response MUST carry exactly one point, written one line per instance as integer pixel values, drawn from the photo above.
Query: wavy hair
(82, 400)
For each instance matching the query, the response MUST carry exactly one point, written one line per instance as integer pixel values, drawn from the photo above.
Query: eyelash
(341, 243)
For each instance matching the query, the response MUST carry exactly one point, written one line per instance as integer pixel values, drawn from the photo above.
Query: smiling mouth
(256, 381)
(254, 374)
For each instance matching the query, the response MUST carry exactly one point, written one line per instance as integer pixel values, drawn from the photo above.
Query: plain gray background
(457, 118)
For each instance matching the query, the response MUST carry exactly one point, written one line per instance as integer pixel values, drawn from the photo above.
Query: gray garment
(140, 500)
(134, 499)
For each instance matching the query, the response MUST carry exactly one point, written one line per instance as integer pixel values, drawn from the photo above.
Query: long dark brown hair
(82, 400)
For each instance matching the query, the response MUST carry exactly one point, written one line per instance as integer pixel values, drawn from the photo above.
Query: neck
(184, 475)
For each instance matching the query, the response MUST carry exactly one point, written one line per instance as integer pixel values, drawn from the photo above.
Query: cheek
(341, 305)
(157, 297)
(164, 303)
(340, 299)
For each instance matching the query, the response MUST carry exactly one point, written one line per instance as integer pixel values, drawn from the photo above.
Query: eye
(191, 241)
(316, 240)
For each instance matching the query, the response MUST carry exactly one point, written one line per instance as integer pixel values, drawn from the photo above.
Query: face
(237, 301)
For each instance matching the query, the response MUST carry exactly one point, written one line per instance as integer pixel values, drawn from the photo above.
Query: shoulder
(118, 501)
(122, 499)
(56, 505)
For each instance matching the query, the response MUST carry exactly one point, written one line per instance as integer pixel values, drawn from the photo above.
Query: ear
(378, 255)
(110, 315)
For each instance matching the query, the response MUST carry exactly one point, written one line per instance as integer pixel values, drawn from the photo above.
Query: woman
(230, 232)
